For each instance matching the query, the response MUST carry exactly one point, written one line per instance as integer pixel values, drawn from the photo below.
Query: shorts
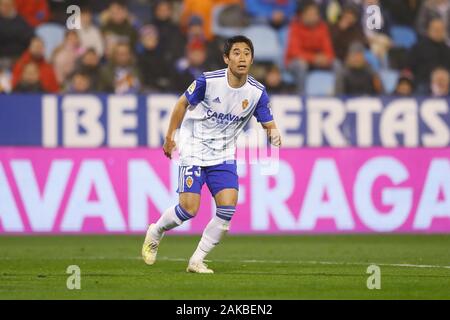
(217, 177)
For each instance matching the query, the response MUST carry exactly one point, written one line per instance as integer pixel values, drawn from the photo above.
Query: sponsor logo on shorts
(189, 182)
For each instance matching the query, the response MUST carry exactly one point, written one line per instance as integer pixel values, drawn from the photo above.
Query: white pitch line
(401, 265)
(404, 265)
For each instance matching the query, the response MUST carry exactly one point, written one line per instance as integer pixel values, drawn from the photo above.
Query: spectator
(430, 10)
(346, 31)
(29, 80)
(440, 82)
(274, 83)
(35, 12)
(213, 46)
(141, 11)
(120, 75)
(5, 78)
(357, 78)
(89, 64)
(405, 85)
(90, 36)
(204, 10)
(80, 83)
(274, 12)
(430, 52)
(15, 33)
(155, 71)
(66, 55)
(379, 39)
(402, 12)
(331, 9)
(35, 54)
(192, 65)
(174, 42)
(117, 27)
(309, 45)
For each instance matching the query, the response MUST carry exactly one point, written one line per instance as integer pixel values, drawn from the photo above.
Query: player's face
(240, 59)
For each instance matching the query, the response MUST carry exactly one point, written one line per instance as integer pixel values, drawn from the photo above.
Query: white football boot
(150, 247)
(198, 267)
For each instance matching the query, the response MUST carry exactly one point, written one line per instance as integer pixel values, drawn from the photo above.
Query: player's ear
(226, 59)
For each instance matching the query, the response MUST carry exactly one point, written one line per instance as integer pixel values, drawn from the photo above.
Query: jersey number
(188, 171)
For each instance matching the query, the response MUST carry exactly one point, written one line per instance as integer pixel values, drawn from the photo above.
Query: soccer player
(212, 113)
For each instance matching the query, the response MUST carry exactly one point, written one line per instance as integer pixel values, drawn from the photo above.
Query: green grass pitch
(246, 267)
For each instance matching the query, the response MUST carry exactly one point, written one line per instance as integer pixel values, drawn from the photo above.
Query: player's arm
(176, 118)
(191, 97)
(263, 114)
(273, 134)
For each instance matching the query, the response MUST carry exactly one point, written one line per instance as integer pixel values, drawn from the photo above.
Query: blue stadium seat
(320, 83)
(389, 79)
(403, 36)
(221, 31)
(52, 34)
(372, 60)
(283, 34)
(266, 43)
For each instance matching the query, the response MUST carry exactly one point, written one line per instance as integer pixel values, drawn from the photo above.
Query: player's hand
(168, 147)
(274, 137)
(321, 60)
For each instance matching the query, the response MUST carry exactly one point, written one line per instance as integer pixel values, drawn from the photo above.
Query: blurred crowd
(144, 46)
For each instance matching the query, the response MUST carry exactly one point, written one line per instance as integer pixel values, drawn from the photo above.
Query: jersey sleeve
(196, 91)
(262, 112)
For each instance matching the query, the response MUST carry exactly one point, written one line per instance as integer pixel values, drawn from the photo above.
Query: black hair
(121, 3)
(230, 41)
(81, 73)
(304, 5)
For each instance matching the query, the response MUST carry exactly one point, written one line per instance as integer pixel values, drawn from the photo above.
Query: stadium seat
(219, 30)
(266, 43)
(389, 79)
(402, 36)
(283, 34)
(52, 34)
(372, 60)
(320, 83)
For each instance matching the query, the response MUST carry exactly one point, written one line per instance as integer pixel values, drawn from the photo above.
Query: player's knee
(225, 212)
(191, 207)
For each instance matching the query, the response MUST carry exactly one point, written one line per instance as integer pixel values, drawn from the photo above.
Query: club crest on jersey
(192, 87)
(189, 181)
(244, 104)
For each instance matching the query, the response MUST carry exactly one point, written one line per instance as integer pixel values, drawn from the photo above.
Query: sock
(214, 231)
(171, 218)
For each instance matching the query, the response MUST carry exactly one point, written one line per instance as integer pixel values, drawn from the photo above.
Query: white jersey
(216, 115)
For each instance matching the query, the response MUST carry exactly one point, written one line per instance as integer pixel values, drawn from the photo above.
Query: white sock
(211, 237)
(167, 221)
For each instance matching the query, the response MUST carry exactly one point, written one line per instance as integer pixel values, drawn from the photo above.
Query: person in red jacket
(35, 54)
(309, 44)
(34, 12)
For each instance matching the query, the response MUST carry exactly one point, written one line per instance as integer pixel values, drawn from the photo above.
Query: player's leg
(190, 184)
(223, 183)
(174, 216)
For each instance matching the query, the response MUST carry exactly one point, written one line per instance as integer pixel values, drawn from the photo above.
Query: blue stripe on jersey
(257, 87)
(207, 75)
(214, 72)
(255, 83)
(217, 76)
(253, 79)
